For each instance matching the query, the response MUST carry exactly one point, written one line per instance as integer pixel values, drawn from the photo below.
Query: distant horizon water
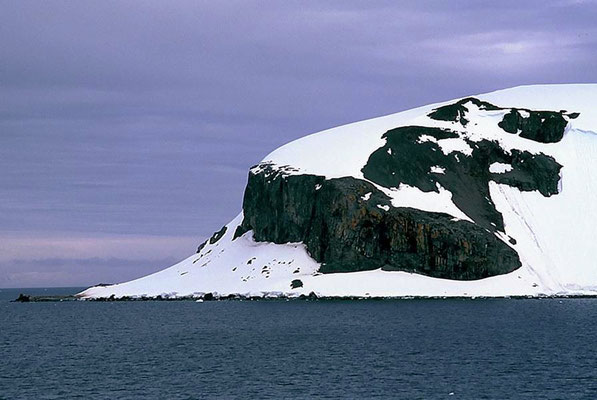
(451, 348)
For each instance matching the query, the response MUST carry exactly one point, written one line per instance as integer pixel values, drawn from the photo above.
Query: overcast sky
(127, 127)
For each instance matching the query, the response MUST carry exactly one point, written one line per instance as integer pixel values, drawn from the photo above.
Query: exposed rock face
(540, 126)
(412, 154)
(218, 235)
(348, 224)
(213, 239)
(347, 233)
(457, 112)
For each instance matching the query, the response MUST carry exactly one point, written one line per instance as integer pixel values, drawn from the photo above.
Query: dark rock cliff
(349, 225)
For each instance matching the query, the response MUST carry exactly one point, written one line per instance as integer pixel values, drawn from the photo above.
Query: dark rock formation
(540, 126)
(347, 233)
(531, 172)
(348, 224)
(213, 239)
(217, 236)
(456, 112)
(407, 159)
(23, 298)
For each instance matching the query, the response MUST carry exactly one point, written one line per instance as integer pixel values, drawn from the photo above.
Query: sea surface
(386, 349)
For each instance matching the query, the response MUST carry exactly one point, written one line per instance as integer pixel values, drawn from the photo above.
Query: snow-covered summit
(489, 195)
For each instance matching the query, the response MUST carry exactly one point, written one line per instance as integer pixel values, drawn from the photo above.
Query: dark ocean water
(411, 349)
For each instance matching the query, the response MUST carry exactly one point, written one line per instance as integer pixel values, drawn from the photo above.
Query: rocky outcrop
(349, 225)
(23, 298)
(456, 112)
(540, 126)
(413, 156)
(213, 239)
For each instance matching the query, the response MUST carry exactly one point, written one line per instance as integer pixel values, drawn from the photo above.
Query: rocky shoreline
(23, 298)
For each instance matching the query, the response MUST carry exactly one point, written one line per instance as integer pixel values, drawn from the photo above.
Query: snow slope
(555, 235)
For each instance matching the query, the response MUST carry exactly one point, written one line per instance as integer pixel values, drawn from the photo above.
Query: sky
(127, 128)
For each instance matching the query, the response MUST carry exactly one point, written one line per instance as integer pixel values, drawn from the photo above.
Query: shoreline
(24, 298)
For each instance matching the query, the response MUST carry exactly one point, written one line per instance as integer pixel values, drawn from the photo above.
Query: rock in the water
(23, 298)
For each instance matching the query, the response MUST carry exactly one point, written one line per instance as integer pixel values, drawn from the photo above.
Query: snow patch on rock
(499, 168)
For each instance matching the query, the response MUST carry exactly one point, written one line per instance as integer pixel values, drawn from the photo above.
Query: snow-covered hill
(491, 195)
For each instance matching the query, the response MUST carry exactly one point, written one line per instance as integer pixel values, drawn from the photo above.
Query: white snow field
(556, 236)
